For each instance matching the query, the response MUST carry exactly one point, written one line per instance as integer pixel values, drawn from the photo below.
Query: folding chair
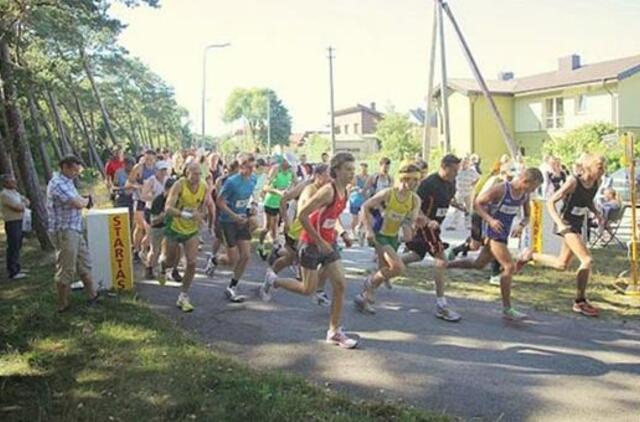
(611, 226)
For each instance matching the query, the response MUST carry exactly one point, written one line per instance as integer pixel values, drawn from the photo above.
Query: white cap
(162, 165)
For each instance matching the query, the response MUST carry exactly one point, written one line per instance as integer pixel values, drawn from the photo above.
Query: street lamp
(204, 81)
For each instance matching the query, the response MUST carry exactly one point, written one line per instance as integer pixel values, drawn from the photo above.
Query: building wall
(630, 102)
(361, 148)
(366, 123)
(488, 141)
(459, 123)
(369, 123)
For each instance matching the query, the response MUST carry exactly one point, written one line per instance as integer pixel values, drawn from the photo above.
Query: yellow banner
(536, 225)
(120, 247)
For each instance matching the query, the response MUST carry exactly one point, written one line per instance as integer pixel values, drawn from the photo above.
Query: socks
(441, 301)
(233, 283)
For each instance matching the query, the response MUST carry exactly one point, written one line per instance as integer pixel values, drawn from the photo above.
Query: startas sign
(120, 247)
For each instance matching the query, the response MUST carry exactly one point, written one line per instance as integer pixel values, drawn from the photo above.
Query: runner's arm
(372, 203)
(481, 203)
(273, 171)
(172, 200)
(131, 182)
(565, 190)
(290, 195)
(321, 199)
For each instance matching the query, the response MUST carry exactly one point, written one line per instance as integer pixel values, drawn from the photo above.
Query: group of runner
(300, 206)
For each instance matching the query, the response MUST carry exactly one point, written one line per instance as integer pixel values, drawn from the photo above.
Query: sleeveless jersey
(324, 220)
(187, 201)
(296, 226)
(394, 213)
(576, 208)
(282, 181)
(505, 211)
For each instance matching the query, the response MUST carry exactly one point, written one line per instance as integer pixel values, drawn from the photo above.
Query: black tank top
(578, 204)
(557, 181)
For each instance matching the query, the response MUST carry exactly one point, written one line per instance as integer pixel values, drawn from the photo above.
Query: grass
(542, 288)
(123, 362)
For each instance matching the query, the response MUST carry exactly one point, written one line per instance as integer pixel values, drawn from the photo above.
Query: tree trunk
(149, 134)
(42, 149)
(50, 137)
(25, 164)
(5, 162)
(132, 127)
(65, 144)
(98, 98)
(93, 152)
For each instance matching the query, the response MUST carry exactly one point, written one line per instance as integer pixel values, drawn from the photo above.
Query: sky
(381, 47)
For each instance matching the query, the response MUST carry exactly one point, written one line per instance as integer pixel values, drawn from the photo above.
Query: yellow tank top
(296, 226)
(395, 213)
(188, 201)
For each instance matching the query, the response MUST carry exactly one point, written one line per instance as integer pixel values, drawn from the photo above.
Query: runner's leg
(191, 255)
(503, 256)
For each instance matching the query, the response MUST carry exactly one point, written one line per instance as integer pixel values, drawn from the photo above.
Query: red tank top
(324, 220)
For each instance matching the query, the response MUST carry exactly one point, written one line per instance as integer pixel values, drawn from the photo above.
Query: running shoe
(369, 287)
(184, 303)
(233, 296)
(175, 276)
(320, 298)
(266, 289)
(585, 308)
(451, 254)
(512, 315)
(494, 280)
(446, 314)
(261, 252)
(273, 255)
(339, 338)
(212, 263)
(363, 305)
(18, 276)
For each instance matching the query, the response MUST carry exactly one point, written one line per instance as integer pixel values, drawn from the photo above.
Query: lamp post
(204, 83)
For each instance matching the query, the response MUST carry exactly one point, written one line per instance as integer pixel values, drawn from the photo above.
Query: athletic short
(291, 242)
(355, 208)
(311, 258)
(140, 205)
(272, 211)
(574, 227)
(232, 233)
(173, 236)
(384, 240)
(147, 215)
(426, 241)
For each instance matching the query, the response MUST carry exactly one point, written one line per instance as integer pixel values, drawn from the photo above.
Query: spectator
(325, 158)
(381, 180)
(13, 206)
(64, 205)
(465, 183)
(475, 163)
(123, 195)
(115, 163)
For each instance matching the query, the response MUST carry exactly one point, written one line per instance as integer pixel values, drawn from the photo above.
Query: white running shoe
(339, 338)
(511, 314)
(321, 298)
(494, 280)
(266, 289)
(233, 296)
(184, 303)
(363, 305)
(446, 314)
(19, 276)
(210, 269)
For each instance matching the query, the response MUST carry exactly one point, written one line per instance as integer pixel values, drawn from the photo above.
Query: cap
(162, 165)
(449, 159)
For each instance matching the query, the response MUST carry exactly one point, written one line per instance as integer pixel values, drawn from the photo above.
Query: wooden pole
(445, 86)
(426, 136)
(333, 123)
(630, 153)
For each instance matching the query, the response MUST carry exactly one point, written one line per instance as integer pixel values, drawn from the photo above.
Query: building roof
(358, 108)
(417, 114)
(618, 69)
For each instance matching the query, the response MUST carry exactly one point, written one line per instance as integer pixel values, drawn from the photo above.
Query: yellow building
(541, 107)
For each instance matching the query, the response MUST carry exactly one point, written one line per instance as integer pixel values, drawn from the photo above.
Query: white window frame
(585, 105)
(553, 120)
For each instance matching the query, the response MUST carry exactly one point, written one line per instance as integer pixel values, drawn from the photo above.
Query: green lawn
(123, 362)
(542, 288)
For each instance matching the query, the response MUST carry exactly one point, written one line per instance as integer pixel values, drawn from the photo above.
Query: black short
(426, 241)
(272, 211)
(291, 242)
(232, 233)
(147, 215)
(310, 256)
(140, 205)
(574, 227)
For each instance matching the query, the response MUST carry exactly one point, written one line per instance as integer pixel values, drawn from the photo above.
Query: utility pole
(444, 87)
(426, 140)
(269, 124)
(333, 128)
(204, 84)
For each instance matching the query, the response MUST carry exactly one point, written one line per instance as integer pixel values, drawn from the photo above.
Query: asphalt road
(552, 368)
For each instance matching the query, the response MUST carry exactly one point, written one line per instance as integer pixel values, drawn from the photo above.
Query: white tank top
(157, 188)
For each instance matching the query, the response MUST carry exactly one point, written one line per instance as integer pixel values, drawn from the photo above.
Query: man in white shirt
(13, 206)
(465, 183)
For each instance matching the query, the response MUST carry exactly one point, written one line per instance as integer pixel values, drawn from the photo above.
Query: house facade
(355, 129)
(542, 107)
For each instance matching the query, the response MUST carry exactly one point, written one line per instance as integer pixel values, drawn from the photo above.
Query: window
(355, 128)
(581, 104)
(346, 129)
(554, 113)
(337, 130)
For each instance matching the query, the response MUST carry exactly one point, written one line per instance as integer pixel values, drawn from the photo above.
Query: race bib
(242, 203)
(394, 216)
(509, 209)
(441, 212)
(580, 211)
(329, 223)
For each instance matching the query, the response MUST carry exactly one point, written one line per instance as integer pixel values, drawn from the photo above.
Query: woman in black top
(577, 193)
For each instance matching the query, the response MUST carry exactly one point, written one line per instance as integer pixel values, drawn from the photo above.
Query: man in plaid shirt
(64, 206)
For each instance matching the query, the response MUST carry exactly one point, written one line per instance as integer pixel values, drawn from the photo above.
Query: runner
(280, 179)
(577, 193)
(436, 193)
(285, 256)
(152, 188)
(396, 205)
(157, 221)
(234, 220)
(380, 180)
(140, 173)
(356, 199)
(319, 218)
(185, 212)
(498, 207)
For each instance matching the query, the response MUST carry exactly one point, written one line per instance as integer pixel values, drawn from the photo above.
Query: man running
(498, 207)
(234, 220)
(380, 180)
(318, 247)
(436, 193)
(152, 188)
(395, 206)
(145, 169)
(185, 212)
(577, 194)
